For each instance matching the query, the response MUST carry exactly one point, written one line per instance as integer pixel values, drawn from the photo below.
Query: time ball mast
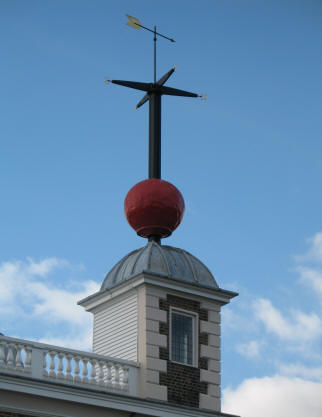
(154, 208)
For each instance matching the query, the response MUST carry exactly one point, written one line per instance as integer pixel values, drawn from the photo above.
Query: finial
(154, 207)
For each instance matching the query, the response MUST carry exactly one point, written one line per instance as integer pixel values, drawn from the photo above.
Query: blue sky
(248, 163)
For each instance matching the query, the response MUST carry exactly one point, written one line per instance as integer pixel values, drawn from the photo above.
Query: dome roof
(165, 261)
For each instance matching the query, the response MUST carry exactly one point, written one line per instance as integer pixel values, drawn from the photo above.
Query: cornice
(219, 295)
(93, 397)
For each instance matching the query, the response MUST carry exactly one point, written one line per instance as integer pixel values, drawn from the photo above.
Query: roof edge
(220, 295)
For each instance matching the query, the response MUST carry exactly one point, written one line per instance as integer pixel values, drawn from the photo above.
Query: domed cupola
(161, 260)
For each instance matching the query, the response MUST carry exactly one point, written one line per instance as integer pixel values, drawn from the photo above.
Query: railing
(62, 365)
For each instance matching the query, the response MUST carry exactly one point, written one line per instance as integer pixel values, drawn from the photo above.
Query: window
(183, 337)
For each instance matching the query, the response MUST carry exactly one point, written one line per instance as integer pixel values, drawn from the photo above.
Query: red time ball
(154, 207)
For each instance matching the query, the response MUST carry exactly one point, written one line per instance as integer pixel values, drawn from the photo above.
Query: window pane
(182, 338)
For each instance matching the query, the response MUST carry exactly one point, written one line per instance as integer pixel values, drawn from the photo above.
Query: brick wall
(183, 382)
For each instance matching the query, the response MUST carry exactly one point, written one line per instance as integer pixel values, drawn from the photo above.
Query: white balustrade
(19, 363)
(100, 373)
(93, 379)
(52, 365)
(55, 364)
(27, 350)
(85, 371)
(11, 354)
(44, 364)
(69, 376)
(76, 369)
(109, 373)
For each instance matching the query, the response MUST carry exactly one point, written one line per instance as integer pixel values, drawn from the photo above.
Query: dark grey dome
(161, 260)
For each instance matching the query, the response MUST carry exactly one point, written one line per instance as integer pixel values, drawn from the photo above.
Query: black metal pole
(155, 135)
(155, 54)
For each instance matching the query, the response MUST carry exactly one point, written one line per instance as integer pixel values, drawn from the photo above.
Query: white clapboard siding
(115, 328)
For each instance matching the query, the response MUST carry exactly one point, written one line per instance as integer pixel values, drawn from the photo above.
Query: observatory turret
(159, 305)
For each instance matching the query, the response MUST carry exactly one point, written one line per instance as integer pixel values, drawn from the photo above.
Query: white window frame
(195, 335)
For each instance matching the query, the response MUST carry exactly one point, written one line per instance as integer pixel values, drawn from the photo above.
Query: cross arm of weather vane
(161, 81)
(157, 88)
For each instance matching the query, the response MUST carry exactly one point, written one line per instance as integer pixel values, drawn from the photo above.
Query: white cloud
(314, 252)
(297, 327)
(297, 388)
(79, 338)
(8, 273)
(311, 277)
(299, 370)
(14, 276)
(250, 350)
(237, 317)
(24, 292)
(44, 267)
(60, 304)
(274, 396)
(289, 332)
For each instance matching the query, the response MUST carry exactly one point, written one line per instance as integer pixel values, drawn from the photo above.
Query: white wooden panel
(115, 328)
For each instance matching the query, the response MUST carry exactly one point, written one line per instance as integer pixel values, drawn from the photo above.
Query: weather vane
(154, 91)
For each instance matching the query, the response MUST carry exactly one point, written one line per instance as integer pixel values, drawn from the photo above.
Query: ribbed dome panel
(165, 261)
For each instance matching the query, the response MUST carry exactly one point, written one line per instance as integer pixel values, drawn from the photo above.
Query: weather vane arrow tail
(133, 22)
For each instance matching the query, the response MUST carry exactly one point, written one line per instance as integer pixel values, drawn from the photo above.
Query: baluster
(52, 366)
(2, 353)
(76, 369)
(109, 373)
(117, 375)
(125, 377)
(85, 370)
(19, 363)
(68, 368)
(100, 373)
(60, 367)
(44, 363)
(28, 357)
(11, 356)
(93, 371)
